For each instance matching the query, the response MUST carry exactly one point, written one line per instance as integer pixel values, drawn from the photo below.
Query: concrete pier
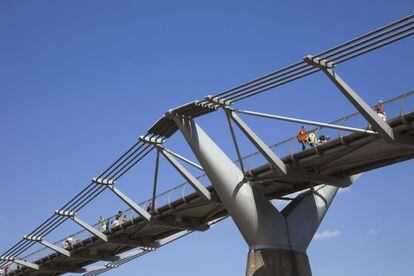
(277, 262)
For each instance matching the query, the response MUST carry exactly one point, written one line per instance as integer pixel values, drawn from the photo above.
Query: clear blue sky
(81, 80)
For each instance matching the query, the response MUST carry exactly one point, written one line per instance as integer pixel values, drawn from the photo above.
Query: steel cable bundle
(358, 46)
(130, 158)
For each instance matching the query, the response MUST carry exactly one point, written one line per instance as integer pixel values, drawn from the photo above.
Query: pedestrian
(65, 244)
(149, 207)
(322, 139)
(102, 223)
(303, 137)
(379, 109)
(312, 139)
(69, 242)
(114, 223)
(118, 217)
(5, 269)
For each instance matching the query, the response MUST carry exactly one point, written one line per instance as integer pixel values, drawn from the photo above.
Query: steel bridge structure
(308, 180)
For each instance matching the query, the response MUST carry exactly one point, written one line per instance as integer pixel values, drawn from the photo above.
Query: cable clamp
(33, 238)
(111, 265)
(151, 140)
(62, 213)
(8, 258)
(223, 103)
(102, 181)
(320, 63)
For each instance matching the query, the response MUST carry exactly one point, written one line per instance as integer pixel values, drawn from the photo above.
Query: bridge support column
(277, 240)
(271, 261)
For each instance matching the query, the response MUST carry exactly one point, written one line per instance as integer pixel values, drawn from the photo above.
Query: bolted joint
(7, 258)
(171, 114)
(219, 102)
(320, 63)
(148, 248)
(208, 105)
(111, 265)
(33, 238)
(62, 213)
(102, 181)
(151, 140)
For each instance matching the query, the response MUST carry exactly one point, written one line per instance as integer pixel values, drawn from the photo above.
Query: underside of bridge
(283, 250)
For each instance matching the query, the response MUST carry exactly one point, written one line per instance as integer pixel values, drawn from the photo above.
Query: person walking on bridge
(5, 269)
(379, 109)
(303, 137)
(103, 223)
(312, 141)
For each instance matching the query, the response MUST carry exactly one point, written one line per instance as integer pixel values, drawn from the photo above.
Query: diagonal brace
(83, 224)
(278, 166)
(236, 144)
(49, 245)
(184, 159)
(123, 197)
(20, 262)
(370, 115)
(201, 190)
(91, 229)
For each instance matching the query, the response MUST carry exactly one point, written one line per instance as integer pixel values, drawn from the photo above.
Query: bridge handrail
(341, 121)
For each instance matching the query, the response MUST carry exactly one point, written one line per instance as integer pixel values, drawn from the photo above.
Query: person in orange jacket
(303, 137)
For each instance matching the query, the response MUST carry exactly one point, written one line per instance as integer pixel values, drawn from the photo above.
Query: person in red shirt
(5, 269)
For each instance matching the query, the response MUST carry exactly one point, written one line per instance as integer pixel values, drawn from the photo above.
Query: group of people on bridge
(310, 139)
(118, 220)
(305, 138)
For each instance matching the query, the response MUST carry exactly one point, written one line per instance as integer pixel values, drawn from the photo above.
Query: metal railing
(395, 107)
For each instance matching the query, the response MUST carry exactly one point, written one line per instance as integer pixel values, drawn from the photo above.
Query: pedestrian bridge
(307, 179)
(184, 213)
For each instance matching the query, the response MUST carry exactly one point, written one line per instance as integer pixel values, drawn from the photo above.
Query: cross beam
(96, 257)
(131, 255)
(129, 241)
(61, 269)
(184, 159)
(174, 222)
(40, 269)
(315, 178)
(306, 122)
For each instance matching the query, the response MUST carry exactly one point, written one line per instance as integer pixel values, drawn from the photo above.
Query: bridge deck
(354, 153)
